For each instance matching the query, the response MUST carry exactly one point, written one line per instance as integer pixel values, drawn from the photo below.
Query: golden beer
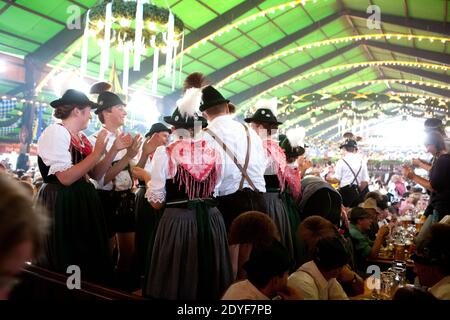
(399, 251)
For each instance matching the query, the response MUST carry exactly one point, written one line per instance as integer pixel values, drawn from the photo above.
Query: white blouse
(123, 180)
(159, 173)
(53, 148)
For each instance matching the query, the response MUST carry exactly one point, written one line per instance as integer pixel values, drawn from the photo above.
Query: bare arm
(384, 230)
(122, 163)
(422, 164)
(77, 171)
(103, 165)
(422, 181)
(149, 146)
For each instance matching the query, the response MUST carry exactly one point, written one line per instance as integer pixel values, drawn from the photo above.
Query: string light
(244, 21)
(328, 42)
(348, 66)
(21, 100)
(388, 81)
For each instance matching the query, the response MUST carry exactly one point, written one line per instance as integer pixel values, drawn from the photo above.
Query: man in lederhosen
(115, 186)
(242, 184)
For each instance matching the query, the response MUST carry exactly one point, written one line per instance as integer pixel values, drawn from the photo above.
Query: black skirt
(78, 234)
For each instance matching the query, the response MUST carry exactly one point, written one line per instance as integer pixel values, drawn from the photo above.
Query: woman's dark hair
(310, 231)
(253, 227)
(63, 112)
(436, 139)
(330, 253)
(267, 126)
(266, 262)
(350, 149)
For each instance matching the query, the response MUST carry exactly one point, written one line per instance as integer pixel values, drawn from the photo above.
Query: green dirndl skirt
(78, 233)
(291, 209)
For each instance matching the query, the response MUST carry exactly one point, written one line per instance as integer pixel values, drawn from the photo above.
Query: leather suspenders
(243, 169)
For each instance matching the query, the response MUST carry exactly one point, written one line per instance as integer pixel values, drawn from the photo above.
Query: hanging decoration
(133, 27)
(84, 50)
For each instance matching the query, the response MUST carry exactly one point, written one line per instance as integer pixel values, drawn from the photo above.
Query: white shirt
(159, 173)
(123, 180)
(441, 290)
(243, 290)
(53, 148)
(345, 175)
(311, 283)
(232, 133)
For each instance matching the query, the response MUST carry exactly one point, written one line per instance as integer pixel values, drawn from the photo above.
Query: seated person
(314, 228)
(413, 294)
(22, 230)
(432, 261)
(360, 224)
(316, 279)
(267, 272)
(250, 229)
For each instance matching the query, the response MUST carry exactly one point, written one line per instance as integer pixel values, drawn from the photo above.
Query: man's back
(233, 134)
(344, 174)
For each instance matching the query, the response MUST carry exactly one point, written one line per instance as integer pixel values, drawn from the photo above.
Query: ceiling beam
(304, 109)
(419, 24)
(253, 91)
(439, 91)
(421, 73)
(197, 35)
(56, 45)
(226, 71)
(438, 57)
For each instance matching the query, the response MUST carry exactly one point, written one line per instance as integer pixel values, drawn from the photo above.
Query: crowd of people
(213, 208)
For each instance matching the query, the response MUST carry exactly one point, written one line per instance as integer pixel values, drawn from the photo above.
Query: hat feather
(268, 104)
(194, 80)
(296, 137)
(99, 87)
(190, 102)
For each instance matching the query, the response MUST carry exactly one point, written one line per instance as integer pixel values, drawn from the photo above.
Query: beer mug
(399, 251)
(419, 224)
(387, 285)
(406, 221)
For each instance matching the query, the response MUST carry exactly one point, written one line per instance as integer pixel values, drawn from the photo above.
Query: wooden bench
(42, 284)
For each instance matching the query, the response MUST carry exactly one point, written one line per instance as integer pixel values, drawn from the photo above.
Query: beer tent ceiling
(261, 48)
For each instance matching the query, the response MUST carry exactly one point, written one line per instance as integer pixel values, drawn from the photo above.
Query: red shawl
(198, 165)
(293, 180)
(277, 156)
(85, 147)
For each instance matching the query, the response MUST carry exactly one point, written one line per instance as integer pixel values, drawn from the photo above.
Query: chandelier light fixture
(133, 27)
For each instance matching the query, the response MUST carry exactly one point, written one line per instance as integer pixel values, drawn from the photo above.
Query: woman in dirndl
(78, 236)
(147, 218)
(294, 147)
(190, 259)
(265, 123)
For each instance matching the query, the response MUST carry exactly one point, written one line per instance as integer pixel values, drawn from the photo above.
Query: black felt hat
(263, 115)
(179, 121)
(433, 124)
(349, 143)
(157, 127)
(73, 97)
(107, 100)
(211, 97)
